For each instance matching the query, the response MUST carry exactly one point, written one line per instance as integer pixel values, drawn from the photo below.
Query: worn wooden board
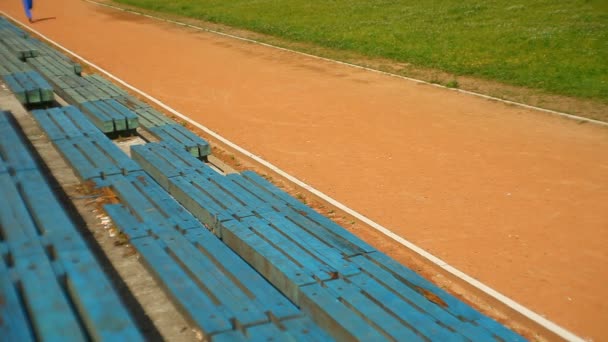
(64, 123)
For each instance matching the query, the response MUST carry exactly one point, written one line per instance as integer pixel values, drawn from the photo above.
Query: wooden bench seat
(181, 138)
(51, 286)
(29, 87)
(52, 67)
(349, 288)
(110, 116)
(185, 257)
(93, 156)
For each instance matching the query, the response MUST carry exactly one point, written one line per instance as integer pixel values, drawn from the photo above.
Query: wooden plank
(126, 222)
(16, 88)
(335, 317)
(32, 91)
(314, 246)
(157, 165)
(258, 289)
(310, 220)
(178, 135)
(413, 307)
(120, 123)
(49, 217)
(100, 309)
(98, 117)
(177, 215)
(164, 162)
(304, 329)
(200, 205)
(186, 295)
(65, 122)
(14, 322)
(389, 325)
(130, 118)
(51, 315)
(285, 266)
(211, 276)
(450, 303)
(84, 167)
(13, 148)
(46, 91)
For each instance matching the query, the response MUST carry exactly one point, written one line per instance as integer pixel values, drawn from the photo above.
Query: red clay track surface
(515, 198)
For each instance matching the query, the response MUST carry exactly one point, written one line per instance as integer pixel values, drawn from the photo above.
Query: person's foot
(31, 20)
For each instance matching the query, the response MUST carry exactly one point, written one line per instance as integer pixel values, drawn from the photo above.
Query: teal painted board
(335, 317)
(165, 161)
(385, 322)
(161, 169)
(120, 122)
(100, 309)
(98, 117)
(263, 294)
(47, 122)
(314, 246)
(150, 203)
(151, 117)
(80, 121)
(50, 312)
(165, 133)
(140, 205)
(16, 224)
(289, 246)
(16, 88)
(14, 324)
(46, 91)
(175, 212)
(266, 332)
(126, 222)
(451, 304)
(178, 135)
(131, 103)
(130, 118)
(65, 122)
(84, 167)
(228, 336)
(49, 216)
(304, 329)
(32, 92)
(92, 157)
(313, 221)
(414, 307)
(214, 279)
(186, 295)
(328, 231)
(215, 193)
(13, 150)
(200, 205)
(21, 46)
(273, 262)
(245, 185)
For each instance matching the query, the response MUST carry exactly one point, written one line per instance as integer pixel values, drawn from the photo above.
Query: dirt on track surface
(513, 197)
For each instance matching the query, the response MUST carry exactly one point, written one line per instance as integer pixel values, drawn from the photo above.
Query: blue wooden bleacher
(185, 258)
(51, 286)
(28, 86)
(219, 292)
(344, 283)
(242, 259)
(92, 155)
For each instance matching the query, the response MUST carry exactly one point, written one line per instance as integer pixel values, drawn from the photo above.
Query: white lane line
(540, 320)
(488, 97)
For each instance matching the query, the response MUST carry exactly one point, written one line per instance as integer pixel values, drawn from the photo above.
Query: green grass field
(557, 46)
